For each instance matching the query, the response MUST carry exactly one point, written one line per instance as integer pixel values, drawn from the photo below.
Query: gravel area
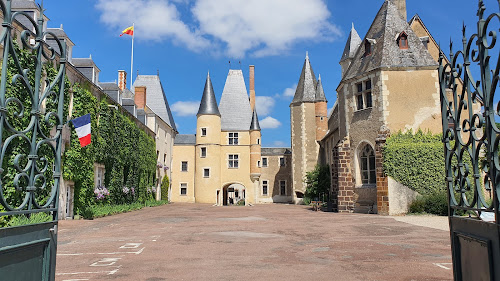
(436, 222)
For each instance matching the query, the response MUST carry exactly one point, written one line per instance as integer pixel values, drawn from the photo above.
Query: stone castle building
(224, 163)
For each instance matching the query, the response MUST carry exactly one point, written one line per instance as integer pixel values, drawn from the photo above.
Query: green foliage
(433, 203)
(32, 219)
(165, 184)
(97, 211)
(127, 153)
(318, 182)
(240, 203)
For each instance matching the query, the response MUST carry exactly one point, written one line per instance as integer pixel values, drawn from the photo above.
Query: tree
(318, 182)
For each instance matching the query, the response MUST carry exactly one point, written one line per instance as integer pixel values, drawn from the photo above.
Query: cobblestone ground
(264, 242)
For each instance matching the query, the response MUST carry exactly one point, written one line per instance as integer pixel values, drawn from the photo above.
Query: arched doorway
(233, 193)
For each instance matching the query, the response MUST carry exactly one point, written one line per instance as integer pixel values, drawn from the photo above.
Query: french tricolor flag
(82, 127)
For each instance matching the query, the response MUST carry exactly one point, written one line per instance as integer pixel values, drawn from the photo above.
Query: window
(282, 162)
(367, 156)
(283, 187)
(236, 193)
(264, 187)
(183, 189)
(368, 48)
(233, 138)
(203, 152)
(99, 175)
(258, 163)
(206, 173)
(164, 158)
(403, 41)
(233, 161)
(203, 132)
(364, 95)
(264, 162)
(184, 166)
(158, 155)
(258, 141)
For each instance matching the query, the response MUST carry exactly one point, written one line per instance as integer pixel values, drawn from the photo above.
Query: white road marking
(111, 253)
(131, 246)
(78, 254)
(75, 279)
(106, 262)
(91, 272)
(442, 265)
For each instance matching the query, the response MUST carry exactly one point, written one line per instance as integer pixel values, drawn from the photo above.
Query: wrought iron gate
(471, 138)
(31, 123)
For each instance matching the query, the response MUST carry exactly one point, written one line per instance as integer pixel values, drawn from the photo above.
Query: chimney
(140, 97)
(401, 4)
(122, 79)
(252, 87)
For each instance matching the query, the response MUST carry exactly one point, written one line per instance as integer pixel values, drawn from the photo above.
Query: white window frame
(363, 94)
(258, 163)
(204, 170)
(267, 162)
(181, 187)
(201, 152)
(235, 136)
(279, 161)
(281, 193)
(267, 188)
(187, 166)
(201, 131)
(237, 161)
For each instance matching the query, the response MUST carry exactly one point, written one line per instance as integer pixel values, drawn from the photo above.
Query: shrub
(241, 203)
(32, 219)
(318, 183)
(165, 184)
(435, 203)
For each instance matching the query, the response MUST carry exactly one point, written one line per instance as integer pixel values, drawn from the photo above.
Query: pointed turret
(306, 88)
(208, 105)
(350, 49)
(320, 93)
(254, 126)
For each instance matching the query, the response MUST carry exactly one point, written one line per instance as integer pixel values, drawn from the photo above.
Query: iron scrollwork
(31, 116)
(471, 134)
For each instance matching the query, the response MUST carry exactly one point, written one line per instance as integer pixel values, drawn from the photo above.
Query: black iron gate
(471, 134)
(31, 123)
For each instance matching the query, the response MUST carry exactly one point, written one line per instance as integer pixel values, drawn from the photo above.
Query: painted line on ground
(442, 265)
(91, 272)
(112, 253)
(75, 279)
(106, 262)
(131, 246)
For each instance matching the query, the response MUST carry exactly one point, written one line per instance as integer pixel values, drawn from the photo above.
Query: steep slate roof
(208, 105)
(306, 88)
(234, 106)
(272, 151)
(351, 45)
(320, 93)
(254, 126)
(185, 140)
(385, 29)
(24, 4)
(155, 97)
(109, 86)
(84, 62)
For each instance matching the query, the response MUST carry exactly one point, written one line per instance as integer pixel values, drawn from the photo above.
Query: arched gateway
(232, 193)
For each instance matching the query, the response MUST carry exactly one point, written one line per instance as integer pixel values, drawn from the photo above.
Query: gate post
(382, 179)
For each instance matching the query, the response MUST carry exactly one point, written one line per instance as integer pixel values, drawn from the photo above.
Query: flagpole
(132, 59)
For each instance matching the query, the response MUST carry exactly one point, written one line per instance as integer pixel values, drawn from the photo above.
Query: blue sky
(183, 39)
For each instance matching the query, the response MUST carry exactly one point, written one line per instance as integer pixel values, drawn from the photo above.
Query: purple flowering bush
(101, 194)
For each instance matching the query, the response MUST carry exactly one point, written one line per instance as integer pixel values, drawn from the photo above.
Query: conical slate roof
(306, 88)
(254, 126)
(351, 45)
(383, 33)
(234, 107)
(320, 93)
(208, 105)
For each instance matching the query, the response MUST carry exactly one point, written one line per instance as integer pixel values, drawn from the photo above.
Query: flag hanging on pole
(82, 127)
(128, 31)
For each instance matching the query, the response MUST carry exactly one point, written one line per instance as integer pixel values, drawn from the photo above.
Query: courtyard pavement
(263, 242)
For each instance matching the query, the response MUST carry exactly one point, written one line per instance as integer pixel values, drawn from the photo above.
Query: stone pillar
(382, 179)
(345, 182)
(334, 167)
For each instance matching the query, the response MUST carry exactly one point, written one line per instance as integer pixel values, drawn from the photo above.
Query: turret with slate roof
(387, 26)
(234, 107)
(320, 93)
(350, 49)
(306, 88)
(208, 105)
(254, 126)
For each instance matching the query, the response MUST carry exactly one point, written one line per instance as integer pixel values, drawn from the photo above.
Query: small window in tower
(184, 166)
(403, 41)
(203, 132)
(368, 48)
(233, 138)
(264, 161)
(203, 153)
(206, 173)
(258, 141)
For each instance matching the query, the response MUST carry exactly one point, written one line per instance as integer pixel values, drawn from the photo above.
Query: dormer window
(368, 48)
(403, 41)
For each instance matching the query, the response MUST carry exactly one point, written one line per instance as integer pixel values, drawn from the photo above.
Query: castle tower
(207, 150)
(350, 49)
(303, 126)
(321, 111)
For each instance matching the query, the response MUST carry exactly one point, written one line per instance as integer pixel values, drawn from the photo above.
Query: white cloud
(264, 105)
(185, 108)
(259, 27)
(290, 92)
(279, 144)
(269, 123)
(154, 20)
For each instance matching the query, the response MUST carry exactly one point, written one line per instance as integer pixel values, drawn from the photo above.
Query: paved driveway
(264, 242)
